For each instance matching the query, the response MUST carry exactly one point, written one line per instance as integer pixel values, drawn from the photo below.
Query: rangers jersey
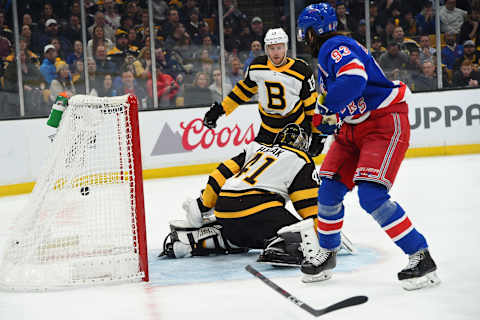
(286, 95)
(345, 63)
(267, 177)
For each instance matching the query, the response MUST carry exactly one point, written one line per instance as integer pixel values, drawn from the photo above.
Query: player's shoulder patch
(259, 62)
(302, 67)
(301, 154)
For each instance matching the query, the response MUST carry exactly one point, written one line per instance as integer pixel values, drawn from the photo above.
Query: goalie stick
(352, 301)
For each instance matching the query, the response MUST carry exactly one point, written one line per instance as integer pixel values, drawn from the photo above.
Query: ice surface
(441, 196)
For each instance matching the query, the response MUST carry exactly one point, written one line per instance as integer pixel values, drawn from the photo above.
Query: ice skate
(318, 266)
(282, 251)
(196, 213)
(420, 272)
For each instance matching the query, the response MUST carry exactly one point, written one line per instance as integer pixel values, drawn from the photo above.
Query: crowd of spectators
(187, 52)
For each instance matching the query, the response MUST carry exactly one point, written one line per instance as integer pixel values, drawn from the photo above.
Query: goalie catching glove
(212, 115)
(326, 121)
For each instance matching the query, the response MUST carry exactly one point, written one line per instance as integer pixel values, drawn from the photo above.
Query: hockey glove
(327, 124)
(316, 144)
(212, 115)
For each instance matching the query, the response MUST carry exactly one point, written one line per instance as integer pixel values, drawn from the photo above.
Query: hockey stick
(353, 301)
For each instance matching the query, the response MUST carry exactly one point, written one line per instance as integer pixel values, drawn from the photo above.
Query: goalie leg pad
(186, 241)
(283, 250)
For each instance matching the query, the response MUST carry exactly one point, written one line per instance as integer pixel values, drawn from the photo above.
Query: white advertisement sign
(173, 138)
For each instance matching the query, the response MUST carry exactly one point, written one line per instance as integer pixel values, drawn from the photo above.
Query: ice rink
(440, 194)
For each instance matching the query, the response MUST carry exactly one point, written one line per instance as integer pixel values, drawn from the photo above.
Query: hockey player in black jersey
(286, 93)
(250, 207)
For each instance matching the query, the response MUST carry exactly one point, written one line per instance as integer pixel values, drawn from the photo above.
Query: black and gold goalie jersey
(286, 95)
(269, 176)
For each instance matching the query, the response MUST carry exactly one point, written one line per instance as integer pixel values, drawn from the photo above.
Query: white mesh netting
(79, 226)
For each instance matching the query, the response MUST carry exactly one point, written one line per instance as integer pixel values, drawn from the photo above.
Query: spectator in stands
(100, 22)
(104, 65)
(160, 11)
(112, 18)
(257, 29)
(77, 54)
(213, 51)
(48, 69)
(216, 86)
(199, 93)
(232, 41)
(63, 82)
(345, 22)
(409, 24)
(168, 26)
(98, 39)
(387, 34)
(470, 28)
(414, 64)
(451, 17)
(256, 50)
(26, 34)
(168, 64)
(426, 19)
(393, 61)
(167, 88)
(47, 14)
(51, 31)
(61, 54)
(405, 44)
(143, 65)
(128, 86)
(122, 49)
(427, 80)
(185, 49)
(175, 37)
(360, 33)
(107, 90)
(186, 10)
(452, 51)
(28, 21)
(426, 50)
(234, 73)
(31, 56)
(469, 53)
(78, 76)
(133, 11)
(73, 32)
(232, 15)
(126, 23)
(32, 85)
(377, 49)
(192, 24)
(466, 76)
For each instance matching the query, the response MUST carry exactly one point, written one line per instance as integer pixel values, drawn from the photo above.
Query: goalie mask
(293, 135)
(276, 36)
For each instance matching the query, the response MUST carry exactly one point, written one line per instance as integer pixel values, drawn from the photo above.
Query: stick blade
(350, 302)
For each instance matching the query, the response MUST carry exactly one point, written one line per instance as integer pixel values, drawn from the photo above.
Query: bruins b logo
(276, 95)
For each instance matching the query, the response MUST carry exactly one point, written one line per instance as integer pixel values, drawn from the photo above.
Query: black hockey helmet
(293, 135)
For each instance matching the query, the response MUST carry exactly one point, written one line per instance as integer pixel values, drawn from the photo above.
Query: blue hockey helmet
(321, 17)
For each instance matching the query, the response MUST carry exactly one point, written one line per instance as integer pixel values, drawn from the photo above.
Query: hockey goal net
(84, 222)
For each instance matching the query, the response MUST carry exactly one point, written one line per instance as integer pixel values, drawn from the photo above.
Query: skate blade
(322, 276)
(279, 264)
(429, 280)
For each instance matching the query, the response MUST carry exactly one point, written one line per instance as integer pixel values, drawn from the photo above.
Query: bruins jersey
(286, 95)
(266, 177)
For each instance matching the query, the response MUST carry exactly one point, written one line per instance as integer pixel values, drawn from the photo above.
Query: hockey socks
(330, 213)
(391, 217)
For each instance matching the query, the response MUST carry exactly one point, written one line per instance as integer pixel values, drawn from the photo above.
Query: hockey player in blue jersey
(369, 116)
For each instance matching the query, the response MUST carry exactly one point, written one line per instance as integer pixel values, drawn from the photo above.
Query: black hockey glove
(212, 115)
(317, 143)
